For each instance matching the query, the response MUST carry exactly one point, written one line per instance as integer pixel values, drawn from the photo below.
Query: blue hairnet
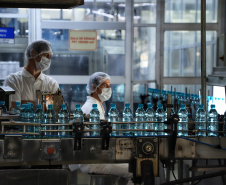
(96, 79)
(40, 46)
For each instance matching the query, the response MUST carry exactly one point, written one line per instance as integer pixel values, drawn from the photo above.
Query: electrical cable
(200, 179)
(174, 174)
(214, 146)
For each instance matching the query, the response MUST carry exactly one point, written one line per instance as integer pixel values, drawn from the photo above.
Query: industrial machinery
(30, 157)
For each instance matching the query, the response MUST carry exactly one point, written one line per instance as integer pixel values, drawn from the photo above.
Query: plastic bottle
(78, 114)
(127, 116)
(38, 118)
(17, 109)
(50, 118)
(183, 121)
(200, 120)
(113, 117)
(150, 116)
(139, 116)
(22, 112)
(29, 118)
(63, 119)
(212, 119)
(160, 118)
(95, 118)
(2, 105)
(31, 106)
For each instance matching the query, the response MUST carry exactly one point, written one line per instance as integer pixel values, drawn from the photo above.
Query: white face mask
(44, 64)
(105, 95)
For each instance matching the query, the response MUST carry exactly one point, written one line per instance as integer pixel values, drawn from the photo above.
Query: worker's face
(105, 84)
(39, 57)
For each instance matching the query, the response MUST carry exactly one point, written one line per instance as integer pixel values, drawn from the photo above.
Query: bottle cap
(127, 105)
(149, 105)
(140, 105)
(39, 106)
(182, 106)
(212, 106)
(24, 106)
(17, 103)
(50, 106)
(78, 106)
(160, 106)
(94, 105)
(31, 104)
(2, 102)
(63, 106)
(112, 105)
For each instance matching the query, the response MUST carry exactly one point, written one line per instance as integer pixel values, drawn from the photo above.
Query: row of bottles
(204, 121)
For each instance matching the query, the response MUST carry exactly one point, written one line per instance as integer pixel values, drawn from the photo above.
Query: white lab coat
(25, 85)
(113, 169)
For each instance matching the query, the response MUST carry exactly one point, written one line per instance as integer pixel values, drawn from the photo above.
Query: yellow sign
(83, 40)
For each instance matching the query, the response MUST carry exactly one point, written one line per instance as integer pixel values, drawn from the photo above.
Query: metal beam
(203, 52)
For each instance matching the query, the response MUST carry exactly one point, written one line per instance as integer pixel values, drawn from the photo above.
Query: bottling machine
(31, 158)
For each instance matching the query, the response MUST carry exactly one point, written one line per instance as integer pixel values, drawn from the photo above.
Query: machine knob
(50, 150)
(148, 148)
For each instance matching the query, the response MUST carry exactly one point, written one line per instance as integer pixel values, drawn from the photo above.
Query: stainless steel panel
(13, 147)
(184, 148)
(35, 177)
(31, 150)
(125, 148)
(50, 149)
(92, 152)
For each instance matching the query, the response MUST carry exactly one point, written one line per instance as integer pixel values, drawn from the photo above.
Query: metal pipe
(203, 52)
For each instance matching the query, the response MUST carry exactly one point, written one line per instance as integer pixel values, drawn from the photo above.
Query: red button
(50, 150)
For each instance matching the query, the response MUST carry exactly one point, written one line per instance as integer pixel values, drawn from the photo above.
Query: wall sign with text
(83, 40)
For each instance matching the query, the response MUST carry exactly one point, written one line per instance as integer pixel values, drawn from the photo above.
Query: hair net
(96, 79)
(40, 46)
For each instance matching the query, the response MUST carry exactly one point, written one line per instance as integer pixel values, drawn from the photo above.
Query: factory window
(109, 56)
(189, 11)
(182, 53)
(92, 10)
(144, 53)
(144, 11)
(16, 18)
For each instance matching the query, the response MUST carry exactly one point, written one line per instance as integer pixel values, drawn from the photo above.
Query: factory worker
(99, 90)
(26, 82)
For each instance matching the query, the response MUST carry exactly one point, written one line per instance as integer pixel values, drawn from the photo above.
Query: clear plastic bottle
(17, 109)
(22, 112)
(2, 105)
(63, 119)
(50, 118)
(113, 117)
(95, 118)
(139, 116)
(160, 118)
(38, 118)
(127, 116)
(150, 116)
(78, 114)
(183, 121)
(200, 119)
(29, 118)
(212, 119)
(31, 106)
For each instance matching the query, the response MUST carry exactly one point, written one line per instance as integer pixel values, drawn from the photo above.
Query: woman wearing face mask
(26, 82)
(99, 89)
